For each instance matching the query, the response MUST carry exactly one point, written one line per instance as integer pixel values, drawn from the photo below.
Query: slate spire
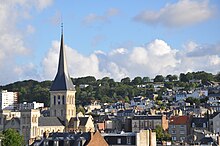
(62, 80)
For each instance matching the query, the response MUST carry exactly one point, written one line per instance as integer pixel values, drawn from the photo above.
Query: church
(62, 117)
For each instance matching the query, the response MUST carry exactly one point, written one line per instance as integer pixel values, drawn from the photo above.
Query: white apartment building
(8, 100)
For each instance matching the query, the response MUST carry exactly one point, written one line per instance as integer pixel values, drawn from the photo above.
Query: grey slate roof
(49, 121)
(62, 81)
(82, 121)
(198, 121)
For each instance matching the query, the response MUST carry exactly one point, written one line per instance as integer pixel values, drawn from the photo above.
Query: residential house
(180, 96)
(199, 123)
(33, 105)
(141, 122)
(179, 128)
(198, 93)
(214, 122)
(214, 102)
(83, 124)
(94, 105)
(139, 102)
(142, 138)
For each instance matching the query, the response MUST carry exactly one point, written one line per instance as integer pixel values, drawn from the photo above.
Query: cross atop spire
(61, 28)
(62, 80)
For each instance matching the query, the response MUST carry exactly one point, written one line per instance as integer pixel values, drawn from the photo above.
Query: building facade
(141, 122)
(8, 100)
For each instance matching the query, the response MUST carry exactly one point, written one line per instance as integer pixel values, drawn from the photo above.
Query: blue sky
(108, 38)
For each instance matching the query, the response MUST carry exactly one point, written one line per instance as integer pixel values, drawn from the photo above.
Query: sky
(113, 38)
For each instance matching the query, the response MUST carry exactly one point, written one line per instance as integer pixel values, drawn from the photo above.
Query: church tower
(62, 91)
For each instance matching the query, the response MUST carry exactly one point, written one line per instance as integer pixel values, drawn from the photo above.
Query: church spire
(62, 80)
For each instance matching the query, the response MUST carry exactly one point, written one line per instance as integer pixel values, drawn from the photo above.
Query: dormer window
(193, 125)
(119, 140)
(204, 125)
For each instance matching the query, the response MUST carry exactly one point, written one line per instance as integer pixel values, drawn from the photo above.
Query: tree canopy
(12, 138)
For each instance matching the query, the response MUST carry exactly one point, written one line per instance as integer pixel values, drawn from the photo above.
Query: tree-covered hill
(106, 89)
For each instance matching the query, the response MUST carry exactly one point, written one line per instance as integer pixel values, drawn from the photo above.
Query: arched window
(58, 99)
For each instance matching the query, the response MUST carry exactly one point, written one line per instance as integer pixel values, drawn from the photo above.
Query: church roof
(62, 80)
(49, 121)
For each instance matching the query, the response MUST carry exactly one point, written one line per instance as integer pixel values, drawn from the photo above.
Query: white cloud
(13, 47)
(42, 4)
(157, 57)
(118, 51)
(182, 13)
(93, 18)
(78, 64)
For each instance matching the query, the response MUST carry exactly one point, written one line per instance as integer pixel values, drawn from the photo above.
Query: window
(182, 132)
(58, 100)
(182, 138)
(54, 100)
(193, 125)
(181, 126)
(174, 138)
(63, 99)
(119, 140)
(173, 132)
(172, 126)
(142, 124)
(135, 124)
(128, 140)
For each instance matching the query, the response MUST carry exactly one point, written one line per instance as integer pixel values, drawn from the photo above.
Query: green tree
(12, 138)
(192, 100)
(217, 77)
(126, 80)
(159, 78)
(127, 99)
(162, 134)
(146, 79)
(183, 78)
(137, 81)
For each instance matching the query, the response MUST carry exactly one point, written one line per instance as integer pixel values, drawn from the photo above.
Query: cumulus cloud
(78, 64)
(182, 13)
(12, 39)
(93, 18)
(157, 57)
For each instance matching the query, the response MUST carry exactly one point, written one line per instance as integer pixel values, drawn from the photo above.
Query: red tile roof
(179, 120)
